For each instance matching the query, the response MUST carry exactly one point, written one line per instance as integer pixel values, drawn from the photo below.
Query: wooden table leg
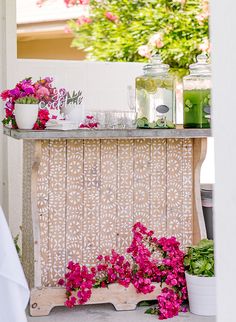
(199, 154)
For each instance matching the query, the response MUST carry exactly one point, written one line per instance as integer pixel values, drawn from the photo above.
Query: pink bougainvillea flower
(144, 51)
(89, 123)
(43, 117)
(141, 269)
(89, 117)
(61, 282)
(110, 16)
(5, 95)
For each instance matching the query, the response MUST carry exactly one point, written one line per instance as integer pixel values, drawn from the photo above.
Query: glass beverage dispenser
(197, 95)
(155, 96)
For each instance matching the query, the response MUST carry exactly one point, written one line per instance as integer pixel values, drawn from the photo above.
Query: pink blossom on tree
(110, 16)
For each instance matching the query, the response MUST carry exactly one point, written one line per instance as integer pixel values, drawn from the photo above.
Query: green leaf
(147, 303)
(151, 310)
(199, 259)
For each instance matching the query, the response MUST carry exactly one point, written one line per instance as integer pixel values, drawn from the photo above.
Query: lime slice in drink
(188, 103)
(140, 83)
(160, 123)
(170, 125)
(150, 85)
(152, 125)
(142, 122)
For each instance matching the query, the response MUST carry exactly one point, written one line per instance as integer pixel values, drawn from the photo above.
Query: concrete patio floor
(106, 313)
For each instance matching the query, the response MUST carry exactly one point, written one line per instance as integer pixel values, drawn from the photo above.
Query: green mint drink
(197, 108)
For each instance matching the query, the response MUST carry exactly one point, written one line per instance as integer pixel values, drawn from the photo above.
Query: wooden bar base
(84, 190)
(43, 300)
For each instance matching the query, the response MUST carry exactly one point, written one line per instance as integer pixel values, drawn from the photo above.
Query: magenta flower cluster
(148, 260)
(80, 279)
(89, 123)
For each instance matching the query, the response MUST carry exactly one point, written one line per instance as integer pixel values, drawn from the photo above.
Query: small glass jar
(197, 94)
(155, 96)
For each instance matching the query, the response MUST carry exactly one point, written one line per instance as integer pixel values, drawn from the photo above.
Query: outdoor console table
(84, 189)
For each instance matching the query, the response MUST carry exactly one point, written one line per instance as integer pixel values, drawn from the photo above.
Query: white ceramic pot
(74, 113)
(201, 294)
(26, 115)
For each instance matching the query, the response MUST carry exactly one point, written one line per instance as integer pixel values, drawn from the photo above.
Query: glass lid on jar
(156, 66)
(201, 66)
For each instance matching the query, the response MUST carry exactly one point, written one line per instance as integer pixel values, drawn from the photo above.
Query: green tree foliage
(132, 30)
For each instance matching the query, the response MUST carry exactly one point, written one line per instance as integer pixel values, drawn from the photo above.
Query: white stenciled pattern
(90, 192)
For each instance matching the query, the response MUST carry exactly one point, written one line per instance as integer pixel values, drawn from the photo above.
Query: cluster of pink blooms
(205, 45)
(140, 267)
(204, 12)
(71, 3)
(113, 269)
(80, 279)
(110, 16)
(169, 304)
(42, 90)
(43, 117)
(83, 20)
(89, 123)
(155, 42)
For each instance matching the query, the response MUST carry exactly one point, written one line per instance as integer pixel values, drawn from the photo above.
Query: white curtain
(14, 292)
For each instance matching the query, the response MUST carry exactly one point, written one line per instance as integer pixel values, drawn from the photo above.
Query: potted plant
(74, 109)
(22, 103)
(26, 112)
(200, 278)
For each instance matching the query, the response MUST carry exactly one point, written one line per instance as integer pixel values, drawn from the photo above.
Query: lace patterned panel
(90, 192)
